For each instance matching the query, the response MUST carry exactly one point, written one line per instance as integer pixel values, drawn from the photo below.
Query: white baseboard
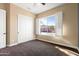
(16, 43)
(59, 43)
(3, 47)
(12, 44)
(68, 52)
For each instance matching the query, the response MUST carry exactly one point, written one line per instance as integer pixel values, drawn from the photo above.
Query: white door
(25, 28)
(2, 28)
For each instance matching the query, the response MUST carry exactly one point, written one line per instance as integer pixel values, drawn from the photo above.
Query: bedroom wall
(70, 31)
(2, 6)
(7, 6)
(78, 25)
(14, 11)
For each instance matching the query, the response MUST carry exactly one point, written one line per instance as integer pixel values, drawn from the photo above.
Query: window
(51, 25)
(47, 25)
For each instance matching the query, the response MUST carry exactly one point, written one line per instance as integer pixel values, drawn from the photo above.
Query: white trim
(13, 44)
(3, 47)
(58, 43)
(68, 52)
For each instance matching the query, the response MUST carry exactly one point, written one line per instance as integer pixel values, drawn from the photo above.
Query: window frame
(51, 34)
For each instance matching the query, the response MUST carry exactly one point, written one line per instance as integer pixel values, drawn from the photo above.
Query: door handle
(18, 32)
(4, 33)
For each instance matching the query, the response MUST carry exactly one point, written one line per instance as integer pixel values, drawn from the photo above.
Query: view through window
(48, 25)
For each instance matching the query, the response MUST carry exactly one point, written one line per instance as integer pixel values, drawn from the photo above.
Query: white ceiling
(37, 8)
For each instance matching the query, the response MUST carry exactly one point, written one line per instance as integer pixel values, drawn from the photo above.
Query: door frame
(17, 25)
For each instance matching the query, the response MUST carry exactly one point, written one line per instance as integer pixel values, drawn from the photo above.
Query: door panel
(25, 28)
(2, 28)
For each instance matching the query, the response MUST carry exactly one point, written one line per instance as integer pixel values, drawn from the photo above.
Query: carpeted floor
(32, 48)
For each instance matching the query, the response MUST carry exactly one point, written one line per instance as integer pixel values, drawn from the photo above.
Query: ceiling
(37, 8)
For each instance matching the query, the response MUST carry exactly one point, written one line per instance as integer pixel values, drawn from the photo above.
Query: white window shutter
(37, 27)
(59, 24)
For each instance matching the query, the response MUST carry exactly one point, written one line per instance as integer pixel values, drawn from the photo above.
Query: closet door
(2, 28)
(25, 28)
